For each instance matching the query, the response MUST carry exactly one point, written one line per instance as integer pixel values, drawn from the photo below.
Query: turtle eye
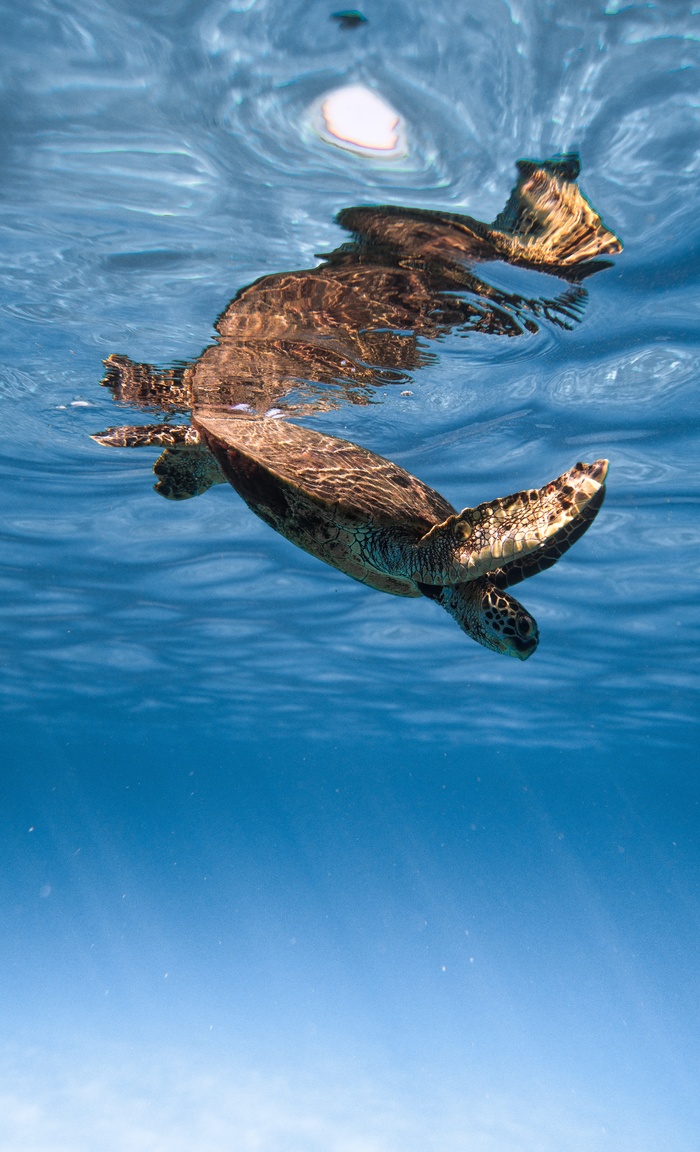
(524, 626)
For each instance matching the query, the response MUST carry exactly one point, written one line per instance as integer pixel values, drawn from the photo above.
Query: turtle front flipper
(548, 554)
(480, 540)
(489, 615)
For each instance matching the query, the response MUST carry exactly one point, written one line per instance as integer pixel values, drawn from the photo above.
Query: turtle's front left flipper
(480, 540)
(489, 615)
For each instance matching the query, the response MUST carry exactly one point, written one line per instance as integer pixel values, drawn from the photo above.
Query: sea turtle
(379, 524)
(360, 319)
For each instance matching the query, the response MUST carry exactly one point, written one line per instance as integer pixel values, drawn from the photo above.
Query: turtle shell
(263, 458)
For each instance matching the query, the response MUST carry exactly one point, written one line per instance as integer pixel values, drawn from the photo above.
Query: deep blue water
(289, 865)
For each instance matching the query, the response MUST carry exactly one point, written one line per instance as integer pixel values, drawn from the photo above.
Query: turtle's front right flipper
(552, 550)
(477, 541)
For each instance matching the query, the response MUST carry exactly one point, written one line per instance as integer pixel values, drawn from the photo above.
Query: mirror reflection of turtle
(312, 338)
(379, 524)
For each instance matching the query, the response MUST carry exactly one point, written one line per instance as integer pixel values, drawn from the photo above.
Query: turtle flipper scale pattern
(548, 554)
(186, 471)
(186, 468)
(479, 540)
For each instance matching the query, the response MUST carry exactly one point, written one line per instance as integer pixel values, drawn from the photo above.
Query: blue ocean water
(287, 864)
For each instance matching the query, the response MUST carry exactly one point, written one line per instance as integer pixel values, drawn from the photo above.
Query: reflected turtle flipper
(547, 223)
(548, 220)
(142, 385)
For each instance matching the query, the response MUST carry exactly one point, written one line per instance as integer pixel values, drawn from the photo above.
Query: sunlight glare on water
(358, 119)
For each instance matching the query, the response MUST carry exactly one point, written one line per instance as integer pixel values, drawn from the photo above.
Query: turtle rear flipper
(489, 615)
(186, 471)
(548, 220)
(148, 436)
(186, 468)
(477, 541)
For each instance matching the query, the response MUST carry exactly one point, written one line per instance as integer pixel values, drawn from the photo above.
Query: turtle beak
(523, 649)
(526, 638)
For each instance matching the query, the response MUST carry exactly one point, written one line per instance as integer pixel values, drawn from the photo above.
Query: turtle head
(489, 615)
(499, 622)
